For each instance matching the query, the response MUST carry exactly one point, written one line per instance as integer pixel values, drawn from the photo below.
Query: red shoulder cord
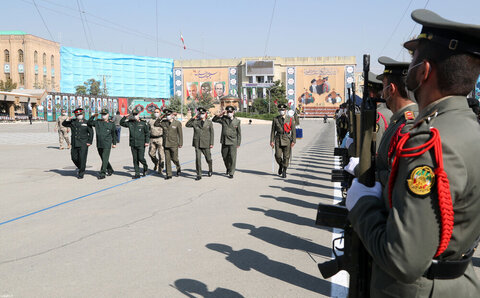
(384, 120)
(394, 141)
(287, 127)
(443, 186)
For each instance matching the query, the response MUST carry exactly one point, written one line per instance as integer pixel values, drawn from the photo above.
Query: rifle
(355, 258)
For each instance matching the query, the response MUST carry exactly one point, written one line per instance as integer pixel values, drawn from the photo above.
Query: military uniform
(383, 113)
(430, 209)
(106, 137)
(82, 137)
(172, 140)
(62, 131)
(156, 145)
(139, 137)
(230, 139)
(202, 141)
(283, 136)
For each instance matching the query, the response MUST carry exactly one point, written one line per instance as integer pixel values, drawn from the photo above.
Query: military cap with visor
(167, 111)
(392, 67)
(78, 111)
(230, 109)
(373, 82)
(282, 106)
(457, 37)
(201, 110)
(104, 111)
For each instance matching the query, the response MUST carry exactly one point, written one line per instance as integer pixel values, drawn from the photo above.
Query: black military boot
(280, 170)
(110, 172)
(210, 170)
(284, 173)
(156, 166)
(179, 170)
(101, 176)
(145, 170)
(199, 177)
(136, 176)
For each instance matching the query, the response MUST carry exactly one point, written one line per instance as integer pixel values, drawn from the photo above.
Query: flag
(183, 41)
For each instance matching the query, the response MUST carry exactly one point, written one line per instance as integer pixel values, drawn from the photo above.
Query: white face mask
(137, 117)
(105, 117)
(64, 114)
(202, 116)
(80, 117)
(230, 114)
(282, 113)
(169, 117)
(156, 115)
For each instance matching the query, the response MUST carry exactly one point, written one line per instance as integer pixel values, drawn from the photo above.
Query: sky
(232, 29)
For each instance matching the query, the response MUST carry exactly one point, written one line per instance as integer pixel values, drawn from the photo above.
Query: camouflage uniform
(156, 145)
(62, 131)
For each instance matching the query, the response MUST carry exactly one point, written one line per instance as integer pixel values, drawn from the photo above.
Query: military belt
(448, 269)
(155, 137)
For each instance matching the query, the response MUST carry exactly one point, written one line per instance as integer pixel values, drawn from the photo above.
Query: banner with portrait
(320, 86)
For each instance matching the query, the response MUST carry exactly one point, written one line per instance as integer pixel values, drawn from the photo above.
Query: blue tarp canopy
(125, 75)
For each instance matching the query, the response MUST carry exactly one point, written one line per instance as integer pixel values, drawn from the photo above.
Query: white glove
(351, 165)
(348, 142)
(358, 190)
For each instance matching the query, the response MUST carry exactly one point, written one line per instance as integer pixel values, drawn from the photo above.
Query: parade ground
(251, 236)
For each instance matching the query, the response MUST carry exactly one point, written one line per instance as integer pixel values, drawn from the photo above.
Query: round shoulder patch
(421, 180)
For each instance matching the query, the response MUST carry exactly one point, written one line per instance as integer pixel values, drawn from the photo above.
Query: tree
(93, 87)
(176, 105)
(8, 85)
(81, 90)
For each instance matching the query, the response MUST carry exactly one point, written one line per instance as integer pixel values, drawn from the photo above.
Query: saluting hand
(291, 145)
(113, 146)
(146, 144)
(211, 146)
(88, 144)
(271, 144)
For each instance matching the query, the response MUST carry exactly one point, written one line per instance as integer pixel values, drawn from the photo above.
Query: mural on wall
(212, 82)
(320, 86)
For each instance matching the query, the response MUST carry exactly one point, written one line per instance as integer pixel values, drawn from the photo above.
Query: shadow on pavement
(189, 286)
(289, 217)
(476, 261)
(292, 201)
(303, 192)
(284, 240)
(255, 172)
(247, 259)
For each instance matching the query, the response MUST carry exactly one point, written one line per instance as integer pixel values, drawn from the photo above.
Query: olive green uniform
(62, 131)
(282, 139)
(82, 134)
(202, 140)
(139, 136)
(382, 124)
(172, 140)
(156, 151)
(106, 137)
(230, 139)
(403, 240)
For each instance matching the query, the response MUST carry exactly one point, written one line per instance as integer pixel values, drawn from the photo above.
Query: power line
(43, 20)
(83, 25)
(396, 27)
(269, 28)
(88, 27)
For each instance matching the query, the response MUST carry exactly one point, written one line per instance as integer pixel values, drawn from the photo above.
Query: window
(7, 55)
(20, 56)
(52, 61)
(35, 57)
(22, 79)
(44, 59)
(53, 83)
(36, 80)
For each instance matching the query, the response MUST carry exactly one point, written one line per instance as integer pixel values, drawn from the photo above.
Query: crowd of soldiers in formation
(163, 136)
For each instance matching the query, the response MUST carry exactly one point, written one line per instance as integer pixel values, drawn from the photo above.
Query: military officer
(202, 140)
(139, 139)
(156, 151)
(422, 233)
(172, 140)
(106, 139)
(62, 130)
(230, 138)
(283, 138)
(82, 137)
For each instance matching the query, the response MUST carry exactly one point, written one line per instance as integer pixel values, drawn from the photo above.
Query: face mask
(80, 117)
(202, 116)
(156, 115)
(105, 117)
(64, 114)
(282, 113)
(230, 115)
(384, 94)
(408, 87)
(137, 117)
(169, 117)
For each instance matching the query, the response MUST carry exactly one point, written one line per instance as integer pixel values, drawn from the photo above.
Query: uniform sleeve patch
(421, 180)
(409, 115)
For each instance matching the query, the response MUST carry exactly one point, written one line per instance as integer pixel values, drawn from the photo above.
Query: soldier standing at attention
(106, 139)
(62, 130)
(283, 137)
(172, 140)
(422, 231)
(139, 139)
(82, 137)
(156, 142)
(375, 88)
(230, 138)
(202, 140)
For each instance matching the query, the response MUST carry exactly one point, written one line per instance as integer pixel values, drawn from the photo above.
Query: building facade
(30, 61)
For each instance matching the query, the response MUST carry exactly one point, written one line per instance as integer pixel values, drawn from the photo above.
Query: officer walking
(62, 130)
(139, 139)
(156, 151)
(106, 139)
(82, 137)
(202, 140)
(230, 138)
(423, 231)
(172, 140)
(283, 137)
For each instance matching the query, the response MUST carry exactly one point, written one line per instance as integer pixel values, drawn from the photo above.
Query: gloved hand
(358, 190)
(348, 142)
(350, 167)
